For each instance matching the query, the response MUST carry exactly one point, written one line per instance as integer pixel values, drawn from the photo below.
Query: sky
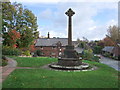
(91, 19)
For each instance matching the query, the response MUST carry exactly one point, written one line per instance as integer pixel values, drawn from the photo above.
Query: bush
(38, 53)
(107, 55)
(4, 61)
(97, 49)
(88, 54)
(27, 53)
(116, 58)
(10, 51)
(96, 58)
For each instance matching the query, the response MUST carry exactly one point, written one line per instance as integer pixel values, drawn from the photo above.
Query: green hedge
(10, 51)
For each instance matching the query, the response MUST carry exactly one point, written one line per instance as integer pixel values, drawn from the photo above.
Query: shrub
(116, 58)
(95, 58)
(107, 55)
(97, 49)
(10, 51)
(38, 53)
(27, 53)
(4, 61)
(88, 54)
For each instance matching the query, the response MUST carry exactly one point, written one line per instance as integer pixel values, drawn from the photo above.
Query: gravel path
(6, 70)
(110, 62)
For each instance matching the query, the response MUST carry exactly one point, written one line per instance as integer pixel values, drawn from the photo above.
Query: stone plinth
(70, 57)
(69, 62)
(84, 66)
(69, 52)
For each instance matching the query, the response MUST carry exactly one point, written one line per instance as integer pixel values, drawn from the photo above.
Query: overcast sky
(91, 19)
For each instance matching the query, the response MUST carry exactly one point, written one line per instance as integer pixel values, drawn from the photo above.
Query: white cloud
(83, 23)
(47, 14)
(55, 34)
(57, 1)
(44, 31)
(36, 1)
(92, 28)
(111, 23)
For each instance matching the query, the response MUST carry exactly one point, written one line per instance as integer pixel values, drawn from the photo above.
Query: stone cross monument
(70, 58)
(70, 13)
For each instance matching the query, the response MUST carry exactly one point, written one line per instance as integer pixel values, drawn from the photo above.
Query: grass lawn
(33, 61)
(104, 77)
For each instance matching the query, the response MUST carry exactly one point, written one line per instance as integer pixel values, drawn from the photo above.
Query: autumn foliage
(108, 42)
(13, 36)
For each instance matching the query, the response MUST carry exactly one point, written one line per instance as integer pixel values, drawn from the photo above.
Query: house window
(41, 47)
(53, 47)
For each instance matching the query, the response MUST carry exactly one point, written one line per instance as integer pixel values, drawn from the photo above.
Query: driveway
(110, 62)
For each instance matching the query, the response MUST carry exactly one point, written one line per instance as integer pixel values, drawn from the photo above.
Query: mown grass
(33, 61)
(104, 77)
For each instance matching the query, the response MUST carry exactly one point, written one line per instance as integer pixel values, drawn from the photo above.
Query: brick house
(52, 47)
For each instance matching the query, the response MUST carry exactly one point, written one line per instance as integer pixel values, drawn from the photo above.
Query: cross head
(70, 12)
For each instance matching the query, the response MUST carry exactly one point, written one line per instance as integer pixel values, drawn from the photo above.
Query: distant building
(52, 47)
(112, 50)
(108, 49)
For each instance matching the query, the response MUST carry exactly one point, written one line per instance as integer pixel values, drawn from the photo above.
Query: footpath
(6, 70)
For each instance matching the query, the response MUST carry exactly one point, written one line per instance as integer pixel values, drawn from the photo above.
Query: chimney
(48, 35)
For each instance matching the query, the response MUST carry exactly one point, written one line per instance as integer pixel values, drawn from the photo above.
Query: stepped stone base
(69, 62)
(79, 67)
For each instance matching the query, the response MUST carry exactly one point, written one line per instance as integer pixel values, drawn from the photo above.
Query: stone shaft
(70, 31)
(70, 13)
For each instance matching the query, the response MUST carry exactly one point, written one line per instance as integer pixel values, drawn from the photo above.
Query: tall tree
(108, 42)
(114, 34)
(11, 37)
(20, 19)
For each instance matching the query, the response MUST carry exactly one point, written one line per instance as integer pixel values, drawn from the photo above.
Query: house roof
(108, 49)
(51, 41)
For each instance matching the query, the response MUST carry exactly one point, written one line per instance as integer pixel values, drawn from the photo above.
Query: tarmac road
(110, 62)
